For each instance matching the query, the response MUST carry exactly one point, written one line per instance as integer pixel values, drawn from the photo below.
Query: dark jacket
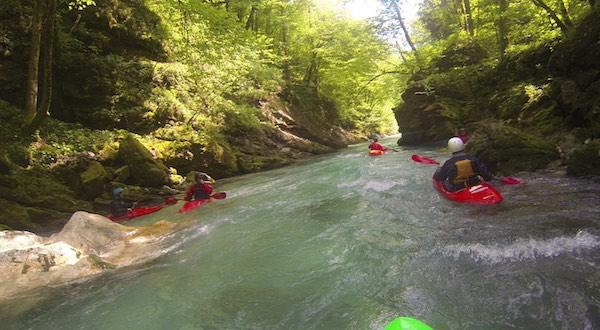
(462, 171)
(199, 191)
(119, 207)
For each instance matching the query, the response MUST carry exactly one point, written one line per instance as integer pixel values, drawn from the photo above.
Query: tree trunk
(47, 60)
(251, 22)
(565, 14)
(285, 44)
(502, 26)
(31, 93)
(394, 5)
(552, 14)
(468, 18)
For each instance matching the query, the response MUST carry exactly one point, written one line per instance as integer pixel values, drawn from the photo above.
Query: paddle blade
(219, 195)
(510, 180)
(424, 160)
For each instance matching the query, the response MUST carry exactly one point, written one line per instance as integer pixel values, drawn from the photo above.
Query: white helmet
(455, 144)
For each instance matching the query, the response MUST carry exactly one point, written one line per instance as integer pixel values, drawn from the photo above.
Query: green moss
(144, 169)
(585, 160)
(15, 216)
(34, 188)
(97, 262)
(93, 179)
(254, 163)
(506, 149)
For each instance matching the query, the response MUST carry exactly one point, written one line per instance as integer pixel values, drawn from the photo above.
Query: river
(347, 241)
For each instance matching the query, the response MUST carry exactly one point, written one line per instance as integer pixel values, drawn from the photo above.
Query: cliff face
(552, 93)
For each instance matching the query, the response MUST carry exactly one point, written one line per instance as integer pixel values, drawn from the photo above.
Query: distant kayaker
(463, 135)
(119, 207)
(462, 170)
(202, 189)
(375, 145)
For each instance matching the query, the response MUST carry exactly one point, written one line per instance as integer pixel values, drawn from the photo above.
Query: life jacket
(199, 191)
(464, 171)
(376, 146)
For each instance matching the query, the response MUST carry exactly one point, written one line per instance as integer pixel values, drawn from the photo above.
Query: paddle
(429, 161)
(424, 160)
(170, 200)
(509, 180)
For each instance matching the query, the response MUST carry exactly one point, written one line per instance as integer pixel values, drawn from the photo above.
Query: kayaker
(202, 189)
(119, 207)
(375, 145)
(462, 170)
(463, 135)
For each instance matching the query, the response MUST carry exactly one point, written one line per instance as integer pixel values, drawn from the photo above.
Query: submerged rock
(87, 245)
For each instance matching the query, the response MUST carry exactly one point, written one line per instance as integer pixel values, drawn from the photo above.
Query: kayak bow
(482, 193)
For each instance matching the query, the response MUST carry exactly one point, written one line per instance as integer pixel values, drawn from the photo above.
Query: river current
(348, 241)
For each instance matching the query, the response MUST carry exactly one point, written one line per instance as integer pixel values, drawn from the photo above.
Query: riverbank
(63, 168)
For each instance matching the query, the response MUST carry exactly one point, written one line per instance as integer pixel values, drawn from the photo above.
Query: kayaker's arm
(483, 171)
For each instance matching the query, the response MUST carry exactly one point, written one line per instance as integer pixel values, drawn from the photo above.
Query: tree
(552, 14)
(38, 94)
(31, 92)
(502, 26)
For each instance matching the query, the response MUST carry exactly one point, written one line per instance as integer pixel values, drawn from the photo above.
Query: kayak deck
(190, 205)
(482, 193)
(136, 212)
(376, 152)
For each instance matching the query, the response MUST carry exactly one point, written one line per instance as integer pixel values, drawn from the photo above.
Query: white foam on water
(524, 249)
(379, 186)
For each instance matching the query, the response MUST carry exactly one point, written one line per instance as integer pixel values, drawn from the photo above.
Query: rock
(87, 245)
(16, 216)
(122, 174)
(93, 180)
(585, 160)
(420, 118)
(506, 149)
(144, 170)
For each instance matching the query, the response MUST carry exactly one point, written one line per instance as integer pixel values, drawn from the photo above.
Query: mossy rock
(37, 189)
(122, 174)
(585, 160)
(255, 163)
(506, 149)
(93, 180)
(216, 159)
(15, 216)
(144, 169)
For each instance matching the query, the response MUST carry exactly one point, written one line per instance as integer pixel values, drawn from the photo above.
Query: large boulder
(15, 216)
(421, 118)
(87, 245)
(144, 170)
(506, 149)
(32, 188)
(93, 179)
(585, 160)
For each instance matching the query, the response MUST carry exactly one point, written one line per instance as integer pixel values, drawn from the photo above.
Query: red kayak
(136, 212)
(190, 205)
(482, 193)
(376, 152)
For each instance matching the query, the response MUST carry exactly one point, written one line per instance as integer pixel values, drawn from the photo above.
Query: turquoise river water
(347, 241)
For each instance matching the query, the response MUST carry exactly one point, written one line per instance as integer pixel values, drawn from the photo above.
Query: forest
(97, 94)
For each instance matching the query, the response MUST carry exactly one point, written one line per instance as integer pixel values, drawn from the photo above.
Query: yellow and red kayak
(376, 152)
